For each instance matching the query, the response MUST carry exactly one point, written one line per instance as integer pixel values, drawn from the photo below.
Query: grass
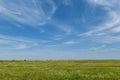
(60, 70)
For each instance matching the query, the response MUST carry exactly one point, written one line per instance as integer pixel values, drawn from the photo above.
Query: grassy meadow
(60, 70)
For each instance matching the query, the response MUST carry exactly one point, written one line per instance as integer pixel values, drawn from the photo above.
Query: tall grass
(60, 70)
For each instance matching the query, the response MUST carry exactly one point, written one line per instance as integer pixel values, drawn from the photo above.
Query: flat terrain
(60, 70)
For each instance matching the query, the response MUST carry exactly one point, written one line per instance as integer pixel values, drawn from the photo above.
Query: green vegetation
(60, 70)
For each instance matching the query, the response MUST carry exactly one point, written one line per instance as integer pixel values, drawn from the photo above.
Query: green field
(60, 70)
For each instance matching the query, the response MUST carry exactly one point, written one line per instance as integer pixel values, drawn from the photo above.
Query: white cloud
(106, 32)
(109, 24)
(33, 13)
(116, 29)
(67, 2)
(111, 39)
(28, 12)
(70, 42)
(5, 37)
(98, 48)
(10, 42)
(58, 37)
(21, 46)
(105, 3)
(42, 30)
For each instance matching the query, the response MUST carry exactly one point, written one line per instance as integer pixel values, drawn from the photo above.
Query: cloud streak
(107, 31)
(23, 12)
(9, 42)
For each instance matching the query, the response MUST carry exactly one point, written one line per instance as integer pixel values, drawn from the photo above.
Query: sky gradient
(59, 29)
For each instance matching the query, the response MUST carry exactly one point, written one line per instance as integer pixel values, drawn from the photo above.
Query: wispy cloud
(33, 13)
(23, 12)
(57, 37)
(68, 2)
(21, 46)
(116, 29)
(108, 29)
(70, 42)
(19, 42)
(98, 48)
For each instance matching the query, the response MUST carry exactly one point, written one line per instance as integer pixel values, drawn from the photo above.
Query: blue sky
(59, 29)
